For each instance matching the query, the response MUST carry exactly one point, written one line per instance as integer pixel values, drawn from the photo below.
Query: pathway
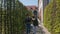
(41, 29)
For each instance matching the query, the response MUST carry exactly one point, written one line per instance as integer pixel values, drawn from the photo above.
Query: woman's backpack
(35, 22)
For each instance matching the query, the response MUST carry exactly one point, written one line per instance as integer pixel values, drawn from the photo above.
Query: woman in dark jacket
(28, 23)
(35, 24)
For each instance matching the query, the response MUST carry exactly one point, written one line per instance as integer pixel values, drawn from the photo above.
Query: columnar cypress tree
(12, 17)
(52, 17)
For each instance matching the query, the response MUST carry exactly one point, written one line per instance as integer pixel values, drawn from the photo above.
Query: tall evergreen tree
(12, 17)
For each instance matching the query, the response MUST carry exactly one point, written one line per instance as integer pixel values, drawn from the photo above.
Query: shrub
(52, 17)
(12, 19)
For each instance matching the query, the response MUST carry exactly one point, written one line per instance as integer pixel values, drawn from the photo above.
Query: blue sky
(29, 2)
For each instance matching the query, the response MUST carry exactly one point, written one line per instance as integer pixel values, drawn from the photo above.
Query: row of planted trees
(12, 18)
(52, 17)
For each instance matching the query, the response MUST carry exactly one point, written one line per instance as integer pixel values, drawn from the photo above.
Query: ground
(41, 30)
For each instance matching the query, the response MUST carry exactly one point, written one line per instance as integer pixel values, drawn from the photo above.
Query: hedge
(12, 19)
(52, 17)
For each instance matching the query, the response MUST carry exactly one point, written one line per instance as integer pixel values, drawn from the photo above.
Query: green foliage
(52, 17)
(12, 20)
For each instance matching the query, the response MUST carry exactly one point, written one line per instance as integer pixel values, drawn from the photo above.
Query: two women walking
(28, 21)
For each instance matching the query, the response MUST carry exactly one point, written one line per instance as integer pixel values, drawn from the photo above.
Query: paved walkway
(41, 29)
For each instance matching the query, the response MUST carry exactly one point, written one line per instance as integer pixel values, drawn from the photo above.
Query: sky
(29, 2)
